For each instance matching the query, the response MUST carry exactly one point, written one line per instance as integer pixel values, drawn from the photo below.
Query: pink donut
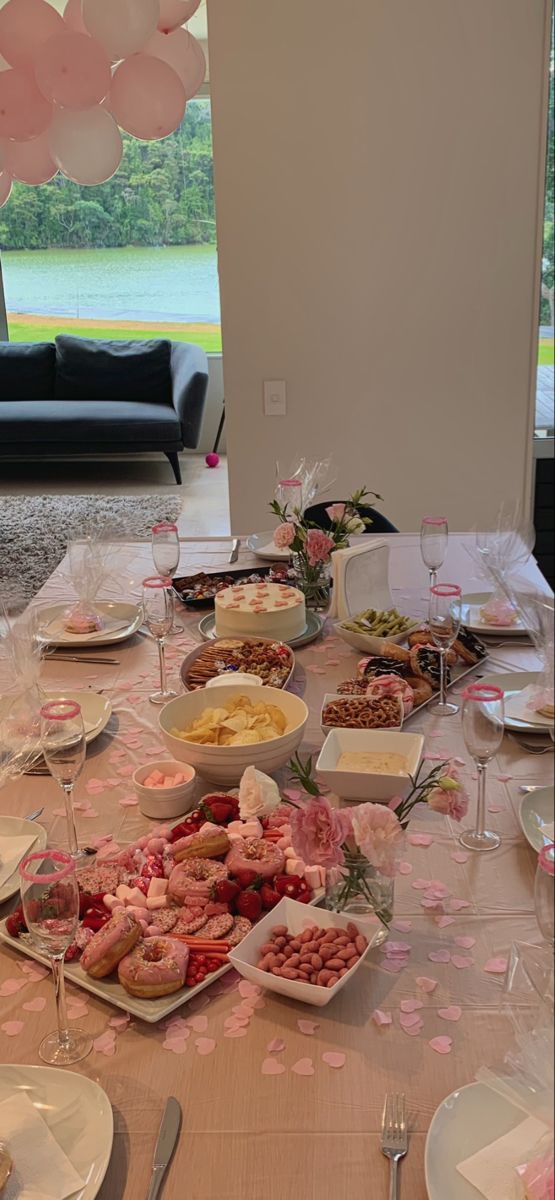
(392, 685)
(116, 938)
(256, 854)
(156, 967)
(201, 869)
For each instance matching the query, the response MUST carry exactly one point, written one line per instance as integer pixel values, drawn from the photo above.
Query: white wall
(378, 174)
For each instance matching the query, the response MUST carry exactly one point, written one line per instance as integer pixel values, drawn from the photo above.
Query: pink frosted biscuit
(188, 923)
(110, 944)
(166, 919)
(100, 879)
(255, 854)
(193, 869)
(156, 967)
(218, 927)
(241, 926)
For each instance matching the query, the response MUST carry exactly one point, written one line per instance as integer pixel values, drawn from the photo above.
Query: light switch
(275, 398)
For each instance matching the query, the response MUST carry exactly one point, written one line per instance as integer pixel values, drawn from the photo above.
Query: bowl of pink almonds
(165, 789)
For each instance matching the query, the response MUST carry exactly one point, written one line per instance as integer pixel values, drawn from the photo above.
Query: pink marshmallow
(136, 898)
(156, 845)
(123, 892)
(155, 902)
(109, 901)
(284, 843)
(153, 931)
(144, 925)
(294, 866)
(312, 876)
(157, 887)
(118, 907)
(322, 871)
(142, 843)
(290, 852)
(140, 914)
(235, 829)
(156, 776)
(252, 828)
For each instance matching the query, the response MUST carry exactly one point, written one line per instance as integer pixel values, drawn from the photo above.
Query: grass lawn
(37, 329)
(545, 352)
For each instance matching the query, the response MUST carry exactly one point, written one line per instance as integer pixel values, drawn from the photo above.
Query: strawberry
(249, 904)
(15, 923)
(218, 811)
(269, 896)
(288, 885)
(225, 890)
(246, 878)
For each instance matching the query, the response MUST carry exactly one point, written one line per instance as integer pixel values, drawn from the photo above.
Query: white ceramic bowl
(336, 696)
(363, 785)
(226, 764)
(369, 643)
(297, 917)
(163, 803)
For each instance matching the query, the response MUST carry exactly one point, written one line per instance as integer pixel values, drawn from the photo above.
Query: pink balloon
(73, 16)
(121, 26)
(5, 188)
(73, 71)
(182, 52)
(24, 26)
(147, 98)
(31, 162)
(176, 12)
(24, 112)
(87, 146)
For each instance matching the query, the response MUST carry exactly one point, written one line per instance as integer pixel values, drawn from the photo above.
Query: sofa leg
(173, 459)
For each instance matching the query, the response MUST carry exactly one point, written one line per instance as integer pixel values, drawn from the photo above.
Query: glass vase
(361, 890)
(313, 582)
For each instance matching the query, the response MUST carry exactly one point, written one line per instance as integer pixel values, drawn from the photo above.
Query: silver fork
(532, 747)
(394, 1137)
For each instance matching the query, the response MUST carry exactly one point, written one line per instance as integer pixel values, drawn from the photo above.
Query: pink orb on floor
(212, 460)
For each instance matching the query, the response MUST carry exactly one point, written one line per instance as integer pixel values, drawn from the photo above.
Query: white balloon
(121, 26)
(182, 52)
(87, 146)
(176, 12)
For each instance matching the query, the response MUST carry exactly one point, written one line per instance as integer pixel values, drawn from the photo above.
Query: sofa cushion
(81, 426)
(27, 370)
(122, 371)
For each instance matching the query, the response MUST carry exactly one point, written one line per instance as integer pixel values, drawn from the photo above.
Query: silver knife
(167, 1137)
(234, 550)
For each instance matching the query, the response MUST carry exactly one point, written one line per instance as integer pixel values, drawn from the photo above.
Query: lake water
(173, 283)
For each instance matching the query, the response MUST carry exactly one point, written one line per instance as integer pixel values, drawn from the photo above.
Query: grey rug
(35, 531)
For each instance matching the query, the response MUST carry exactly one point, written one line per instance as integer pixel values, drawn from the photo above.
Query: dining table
(309, 1126)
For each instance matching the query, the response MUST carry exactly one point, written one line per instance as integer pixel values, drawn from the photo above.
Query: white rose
(258, 794)
(355, 525)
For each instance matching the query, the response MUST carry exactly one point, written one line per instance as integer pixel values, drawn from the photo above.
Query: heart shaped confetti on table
(420, 839)
(120, 1022)
(316, 670)
(176, 1045)
(405, 868)
(457, 905)
(106, 1043)
(401, 926)
(460, 961)
(36, 1005)
(236, 1022)
(395, 949)
(443, 922)
(34, 971)
(275, 1046)
(381, 1018)
(308, 1027)
(409, 1020)
(271, 1066)
(466, 943)
(235, 1033)
(248, 990)
(439, 956)
(421, 885)
(333, 1058)
(413, 1030)
(410, 1006)
(128, 802)
(394, 965)
(425, 983)
(460, 856)
(496, 966)
(10, 986)
(199, 1024)
(441, 1045)
(12, 1028)
(503, 779)
(304, 1066)
(205, 1045)
(453, 1013)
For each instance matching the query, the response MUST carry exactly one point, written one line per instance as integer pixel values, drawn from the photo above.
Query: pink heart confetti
(205, 1045)
(275, 1046)
(439, 956)
(401, 926)
(248, 990)
(427, 903)
(425, 983)
(395, 949)
(36, 1005)
(116, 756)
(409, 1020)
(453, 1013)
(496, 808)
(413, 1030)
(89, 812)
(199, 1024)
(334, 1059)
(235, 1033)
(432, 757)
(496, 966)
(393, 965)
(12, 1028)
(236, 1022)
(460, 856)
(466, 943)
(460, 961)
(11, 986)
(460, 762)
(271, 1066)
(443, 922)
(405, 868)
(34, 971)
(106, 1043)
(381, 1018)
(126, 771)
(308, 1027)
(410, 1006)
(128, 802)
(503, 778)
(133, 743)
(421, 885)
(304, 1066)
(120, 1022)
(458, 905)
(441, 1045)
(176, 1045)
(420, 839)
(291, 794)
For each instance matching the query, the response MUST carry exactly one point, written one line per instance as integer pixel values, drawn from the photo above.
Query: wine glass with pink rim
(64, 749)
(444, 620)
(166, 552)
(483, 725)
(50, 899)
(434, 538)
(289, 494)
(158, 615)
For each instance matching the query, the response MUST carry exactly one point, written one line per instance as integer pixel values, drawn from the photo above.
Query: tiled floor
(204, 492)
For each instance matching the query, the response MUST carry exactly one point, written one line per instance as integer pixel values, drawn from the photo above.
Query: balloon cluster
(69, 84)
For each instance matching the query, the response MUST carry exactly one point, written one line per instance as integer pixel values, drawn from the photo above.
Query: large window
(131, 258)
(545, 422)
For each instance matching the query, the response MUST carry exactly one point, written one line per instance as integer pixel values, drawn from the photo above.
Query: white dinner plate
(18, 827)
(468, 1120)
(77, 1112)
(513, 682)
(262, 545)
(537, 816)
(129, 617)
(96, 710)
(471, 603)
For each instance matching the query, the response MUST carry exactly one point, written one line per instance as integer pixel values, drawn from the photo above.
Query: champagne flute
(445, 622)
(434, 536)
(158, 611)
(289, 494)
(165, 553)
(483, 728)
(50, 898)
(64, 749)
(544, 892)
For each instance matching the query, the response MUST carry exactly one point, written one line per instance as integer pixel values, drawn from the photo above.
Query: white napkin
(519, 708)
(41, 1170)
(12, 850)
(361, 579)
(492, 1170)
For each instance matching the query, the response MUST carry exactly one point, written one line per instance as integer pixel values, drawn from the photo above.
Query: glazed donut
(256, 854)
(212, 844)
(469, 647)
(116, 938)
(422, 690)
(376, 664)
(156, 967)
(391, 685)
(193, 868)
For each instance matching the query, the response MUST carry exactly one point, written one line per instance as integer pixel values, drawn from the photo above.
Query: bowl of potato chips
(221, 735)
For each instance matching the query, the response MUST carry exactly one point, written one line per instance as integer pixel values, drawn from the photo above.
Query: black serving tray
(185, 586)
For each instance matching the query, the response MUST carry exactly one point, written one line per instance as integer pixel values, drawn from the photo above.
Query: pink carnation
(378, 836)
(449, 796)
(336, 512)
(284, 535)
(318, 832)
(318, 546)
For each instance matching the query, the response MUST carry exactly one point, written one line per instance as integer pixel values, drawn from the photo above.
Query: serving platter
(536, 816)
(123, 621)
(184, 586)
(314, 626)
(190, 660)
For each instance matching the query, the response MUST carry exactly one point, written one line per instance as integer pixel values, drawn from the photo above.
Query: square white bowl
(298, 917)
(363, 785)
(337, 696)
(370, 643)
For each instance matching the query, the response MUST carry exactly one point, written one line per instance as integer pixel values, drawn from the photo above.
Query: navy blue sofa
(83, 397)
